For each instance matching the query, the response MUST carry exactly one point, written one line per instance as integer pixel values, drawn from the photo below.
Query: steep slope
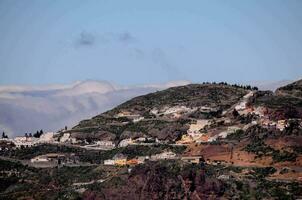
(294, 89)
(285, 103)
(157, 114)
(193, 95)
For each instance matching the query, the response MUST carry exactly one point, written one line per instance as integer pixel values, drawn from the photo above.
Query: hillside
(158, 110)
(294, 89)
(199, 141)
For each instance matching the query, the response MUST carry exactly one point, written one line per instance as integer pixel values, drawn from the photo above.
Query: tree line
(36, 135)
(246, 87)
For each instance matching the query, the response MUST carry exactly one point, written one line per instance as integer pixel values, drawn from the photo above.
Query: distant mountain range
(51, 107)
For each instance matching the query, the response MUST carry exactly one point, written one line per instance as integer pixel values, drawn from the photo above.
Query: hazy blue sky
(132, 42)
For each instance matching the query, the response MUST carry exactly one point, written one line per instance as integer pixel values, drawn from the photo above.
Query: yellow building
(120, 162)
(132, 162)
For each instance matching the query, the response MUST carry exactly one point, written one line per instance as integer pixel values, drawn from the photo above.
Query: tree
(235, 113)
(255, 88)
(38, 133)
(4, 135)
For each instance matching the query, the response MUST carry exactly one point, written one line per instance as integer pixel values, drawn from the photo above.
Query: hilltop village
(228, 134)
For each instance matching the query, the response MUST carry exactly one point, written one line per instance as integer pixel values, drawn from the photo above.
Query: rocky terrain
(199, 141)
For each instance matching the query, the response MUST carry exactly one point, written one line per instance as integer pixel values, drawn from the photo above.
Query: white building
(240, 106)
(66, 138)
(39, 159)
(281, 124)
(109, 162)
(22, 141)
(142, 159)
(212, 139)
(174, 111)
(140, 139)
(125, 142)
(47, 137)
(101, 145)
(137, 119)
(164, 155)
(195, 128)
(127, 114)
(106, 143)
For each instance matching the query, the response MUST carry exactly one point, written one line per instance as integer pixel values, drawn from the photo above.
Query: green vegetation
(273, 101)
(258, 147)
(189, 95)
(282, 156)
(236, 135)
(261, 173)
(28, 153)
(4, 135)
(68, 175)
(92, 156)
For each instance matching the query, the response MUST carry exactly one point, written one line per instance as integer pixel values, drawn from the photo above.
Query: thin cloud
(85, 39)
(137, 53)
(159, 57)
(126, 37)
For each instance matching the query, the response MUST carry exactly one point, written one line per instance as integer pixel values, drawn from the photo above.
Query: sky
(140, 42)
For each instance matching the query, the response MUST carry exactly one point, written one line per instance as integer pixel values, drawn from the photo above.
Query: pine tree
(36, 135)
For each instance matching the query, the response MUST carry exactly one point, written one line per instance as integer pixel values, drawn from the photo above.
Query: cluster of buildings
(27, 141)
(101, 145)
(134, 117)
(172, 112)
(139, 141)
(121, 160)
(264, 119)
(54, 159)
(194, 132)
(243, 109)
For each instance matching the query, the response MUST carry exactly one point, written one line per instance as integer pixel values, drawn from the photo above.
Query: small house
(109, 162)
(120, 159)
(192, 159)
(164, 156)
(125, 142)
